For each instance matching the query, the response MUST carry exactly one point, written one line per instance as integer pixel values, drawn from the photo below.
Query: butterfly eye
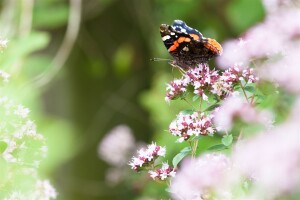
(163, 27)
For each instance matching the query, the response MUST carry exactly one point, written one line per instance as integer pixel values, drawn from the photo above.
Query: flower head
(205, 81)
(276, 170)
(44, 191)
(197, 177)
(3, 44)
(23, 149)
(4, 75)
(235, 107)
(147, 156)
(272, 44)
(162, 173)
(188, 125)
(115, 147)
(175, 89)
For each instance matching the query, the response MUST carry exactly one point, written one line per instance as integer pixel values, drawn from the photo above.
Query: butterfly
(188, 46)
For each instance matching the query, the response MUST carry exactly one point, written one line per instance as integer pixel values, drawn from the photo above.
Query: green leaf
(198, 137)
(237, 87)
(188, 111)
(217, 147)
(21, 47)
(3, 146)
(227, 140)
(250, 88)
(212, 107)
(260, 97)
(41, 17)
(196, 97)
(267, 88)
(184, 152)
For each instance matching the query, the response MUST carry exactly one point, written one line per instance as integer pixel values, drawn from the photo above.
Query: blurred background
(83, 69)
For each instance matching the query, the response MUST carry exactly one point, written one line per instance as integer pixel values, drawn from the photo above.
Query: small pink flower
(162, 173)
(175, 89)
(188, 125)
(147, 156)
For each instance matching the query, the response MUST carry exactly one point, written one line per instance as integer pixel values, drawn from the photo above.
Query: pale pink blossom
(44, 191)
(22, 111)
(28, 129)
(117, 145)
(274, 5)
(4, 75)
(3, 44)
(274, 36)
(15, 195)
(114, 175)
(197, 177)
(8, 153)
(234, 53)
(271, 160)
(285, 71)
(235, 107)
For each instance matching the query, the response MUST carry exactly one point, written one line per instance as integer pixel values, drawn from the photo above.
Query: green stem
(243, 89)
(240, 136)
(200, 108)
(191, 145)
(252, 98)
(194, 150)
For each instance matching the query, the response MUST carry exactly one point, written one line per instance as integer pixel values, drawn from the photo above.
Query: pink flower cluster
(197, 177)
(269, 162)
(188, 125)
(273, 45)
(147, 156)
(236, 107)
(205, 81)
(162, 173)
(116, 146)
(234, 74)
(175, 89)
(276, 171)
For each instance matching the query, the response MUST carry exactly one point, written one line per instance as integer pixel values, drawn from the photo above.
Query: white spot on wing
(166, 37)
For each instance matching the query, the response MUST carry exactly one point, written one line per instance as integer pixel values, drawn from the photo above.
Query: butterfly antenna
(160, 59)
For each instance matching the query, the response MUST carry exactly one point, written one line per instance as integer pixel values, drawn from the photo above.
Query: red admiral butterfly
(187, 45)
